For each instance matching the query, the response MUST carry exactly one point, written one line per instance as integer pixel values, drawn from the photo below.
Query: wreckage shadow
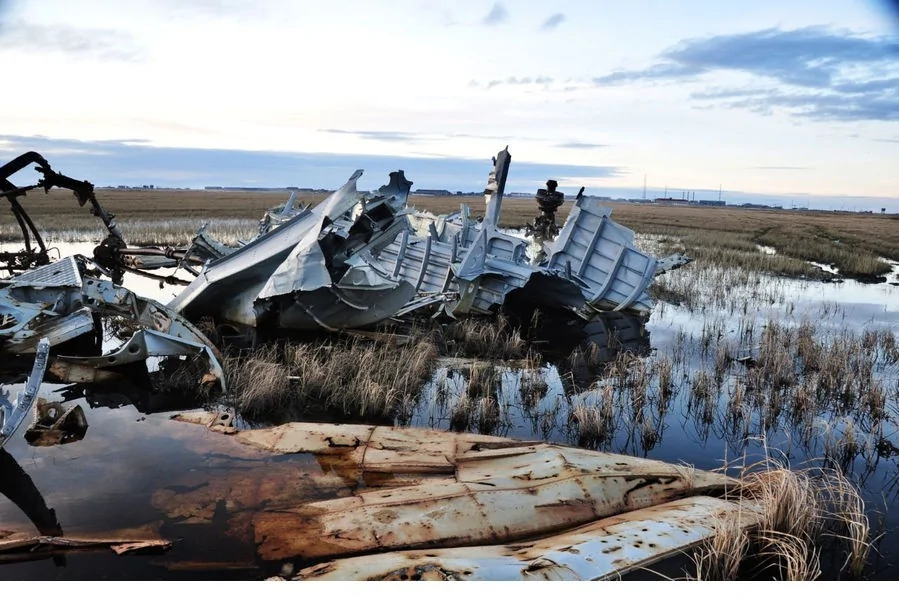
(577, 347)
(18, 487)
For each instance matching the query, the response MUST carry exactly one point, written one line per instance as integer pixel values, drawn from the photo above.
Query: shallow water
(133, 465)
(133, 470)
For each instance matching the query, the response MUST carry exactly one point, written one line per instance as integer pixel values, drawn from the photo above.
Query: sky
(795, 103)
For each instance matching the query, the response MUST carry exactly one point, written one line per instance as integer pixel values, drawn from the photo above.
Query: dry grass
(594, 423)
(484, 337)
(800, 511)
(351, 376)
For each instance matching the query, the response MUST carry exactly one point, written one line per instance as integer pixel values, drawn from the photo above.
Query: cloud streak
(126, 162)
(512, 80)
(819, 74)
(100, 44)
(578, 145)
(780, 168)
(552, 22)
(381, 135)
(497, 15)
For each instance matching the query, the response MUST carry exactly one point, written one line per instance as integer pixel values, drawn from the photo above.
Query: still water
(138, 469)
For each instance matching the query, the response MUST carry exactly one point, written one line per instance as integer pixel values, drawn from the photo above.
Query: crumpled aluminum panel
(600, 255)
(423, 262)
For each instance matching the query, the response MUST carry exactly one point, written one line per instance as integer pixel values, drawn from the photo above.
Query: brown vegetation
(349, 376)
(800, 512)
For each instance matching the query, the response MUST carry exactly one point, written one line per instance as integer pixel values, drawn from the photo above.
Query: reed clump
(493, 337)
(801, 514)
(352, 375)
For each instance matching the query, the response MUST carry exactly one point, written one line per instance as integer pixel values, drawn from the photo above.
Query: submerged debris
(54, 425)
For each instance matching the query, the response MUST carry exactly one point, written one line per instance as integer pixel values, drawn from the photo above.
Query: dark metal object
(35, 252)
(548, 200)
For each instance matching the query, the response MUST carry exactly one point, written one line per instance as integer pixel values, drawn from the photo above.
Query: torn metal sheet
(35, 544)
(602, 550)
(12, 413)
(313, 270)
(62, 301)
(591, 266)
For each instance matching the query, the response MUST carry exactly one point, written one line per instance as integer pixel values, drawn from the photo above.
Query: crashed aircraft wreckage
(364, 502)
(68, 304)
(354, 260)
(357, 259)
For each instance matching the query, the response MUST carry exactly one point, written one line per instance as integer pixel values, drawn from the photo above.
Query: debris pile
(352, 261)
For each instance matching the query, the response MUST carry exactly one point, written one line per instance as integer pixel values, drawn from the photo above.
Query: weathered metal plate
(438, 490)
(602, 550)
(508, 498)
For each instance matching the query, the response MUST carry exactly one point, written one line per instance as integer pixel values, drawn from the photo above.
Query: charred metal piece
(548, 200)
(35, 251)
(54, 424)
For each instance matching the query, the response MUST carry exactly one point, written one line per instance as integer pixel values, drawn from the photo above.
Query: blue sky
(797, 101)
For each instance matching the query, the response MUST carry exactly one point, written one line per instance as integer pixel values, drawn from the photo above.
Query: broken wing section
(602, 550)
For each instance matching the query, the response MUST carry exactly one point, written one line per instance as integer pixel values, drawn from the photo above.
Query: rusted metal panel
(530, 493)
(465, 498)
(373, 449)
(602, 550)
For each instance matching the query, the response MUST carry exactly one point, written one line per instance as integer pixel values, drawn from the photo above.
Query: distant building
(434, 192)
(670, 201)
(712, 203)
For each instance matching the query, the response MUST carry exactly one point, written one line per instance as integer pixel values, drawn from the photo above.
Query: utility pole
(719, 192)
(644, 187)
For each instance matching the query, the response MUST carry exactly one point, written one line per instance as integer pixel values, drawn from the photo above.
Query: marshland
(773, 356)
